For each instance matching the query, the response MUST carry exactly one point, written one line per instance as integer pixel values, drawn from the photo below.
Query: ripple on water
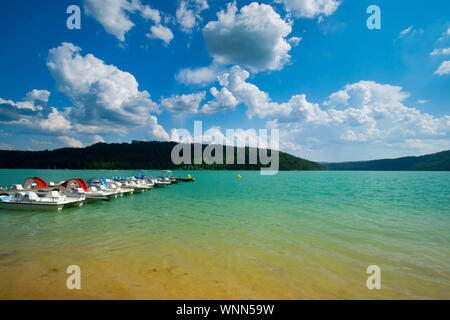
(293, 235)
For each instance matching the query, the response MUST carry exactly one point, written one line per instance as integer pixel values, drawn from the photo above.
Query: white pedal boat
(161, 182)
(119, 187)
(101, 185)
(29, 200)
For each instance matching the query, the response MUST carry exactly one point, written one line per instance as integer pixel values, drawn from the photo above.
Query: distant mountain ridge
(135, 155)
(432, 162)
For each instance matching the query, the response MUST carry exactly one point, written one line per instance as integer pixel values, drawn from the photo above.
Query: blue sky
(335, 90)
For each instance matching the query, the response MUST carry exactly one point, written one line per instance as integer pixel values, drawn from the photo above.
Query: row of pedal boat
(36, 194)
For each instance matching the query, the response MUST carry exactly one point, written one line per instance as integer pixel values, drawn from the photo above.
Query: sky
(145, 70)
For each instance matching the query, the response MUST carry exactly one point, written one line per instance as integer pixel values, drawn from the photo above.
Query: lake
(294, 235)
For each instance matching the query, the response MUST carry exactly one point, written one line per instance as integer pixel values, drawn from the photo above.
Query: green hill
(433, 162)
(135, 155)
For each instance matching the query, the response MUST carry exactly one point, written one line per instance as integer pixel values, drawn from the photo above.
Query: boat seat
(5, 198)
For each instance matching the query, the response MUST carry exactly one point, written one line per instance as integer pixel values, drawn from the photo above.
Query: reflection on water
(296, 235)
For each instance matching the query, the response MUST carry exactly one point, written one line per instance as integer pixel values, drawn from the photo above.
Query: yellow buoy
(238, 176)
(189, 176)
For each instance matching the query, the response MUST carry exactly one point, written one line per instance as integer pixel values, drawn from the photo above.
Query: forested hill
(433, 162)
(135, 155)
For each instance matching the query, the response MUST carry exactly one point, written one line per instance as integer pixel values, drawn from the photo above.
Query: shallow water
(295, 235)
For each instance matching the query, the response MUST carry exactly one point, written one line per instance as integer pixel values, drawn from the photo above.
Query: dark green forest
(433, 162)
(135, 155)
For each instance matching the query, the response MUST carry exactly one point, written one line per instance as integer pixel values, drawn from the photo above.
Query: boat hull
(92, 199)
(31, 206)
(186, 179)
(76, 204)
(161, 185)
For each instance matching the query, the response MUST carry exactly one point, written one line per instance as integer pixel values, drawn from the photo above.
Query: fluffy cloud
(231, 137)
(103, 94)
(39, 96)
(188, 13)
(310, 8)
(149, 13)
(114, 15)
(260, 104)
(185, 103)
(55, 122)
(443, 69)
(160, 32)
(362, 113)
(198, 76)
(254, 36)
(257, 101)
(34, 101)
(35, 118)
(295, 41)
(156, 131)
(98, 139)
(224, 100)
(21, 112)
(71, 142)
(106, 100)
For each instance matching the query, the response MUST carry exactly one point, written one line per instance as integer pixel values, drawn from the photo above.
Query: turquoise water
(295, 235)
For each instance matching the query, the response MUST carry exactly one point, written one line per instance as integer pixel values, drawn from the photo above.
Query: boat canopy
(98, 181)
(75, 183)
(28, 184)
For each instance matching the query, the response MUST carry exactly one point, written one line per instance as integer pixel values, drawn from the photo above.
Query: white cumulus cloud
(185, 103)
(98, 138)
(443, 69)
(363, 117)
(55, 122)
(103, 94)
(223, 100)
(198, 76)
(254, 36)
(295, 41)
(71, 142)
(22, 112)
(310, 8)
(188, 13)
(114, 15)
(260, 104)
(160, 32)
(38, 95)
(155, 130)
